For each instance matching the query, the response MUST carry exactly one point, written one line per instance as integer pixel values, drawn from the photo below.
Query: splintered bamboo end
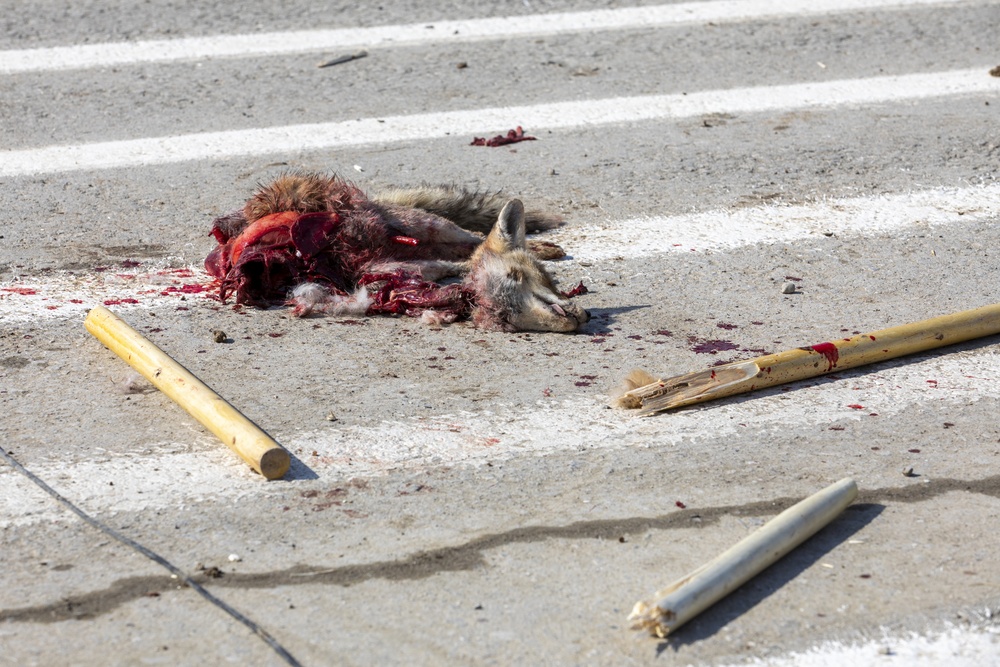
(649, 618)
(659, 395)
(625, 397)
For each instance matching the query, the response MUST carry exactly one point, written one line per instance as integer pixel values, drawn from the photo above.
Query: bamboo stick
(687, 597)
(239, 433)
(650, 395)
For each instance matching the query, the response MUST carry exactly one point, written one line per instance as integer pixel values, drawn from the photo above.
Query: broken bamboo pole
(240, 434)
(649, 395)
(690, 595)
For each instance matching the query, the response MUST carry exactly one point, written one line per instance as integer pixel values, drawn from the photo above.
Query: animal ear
(510, 225)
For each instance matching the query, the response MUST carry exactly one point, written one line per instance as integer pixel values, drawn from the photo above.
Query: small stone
(908, 471)
(234, 558)
(788, 288)
(330, 417)
(461, 65)
(219, 336)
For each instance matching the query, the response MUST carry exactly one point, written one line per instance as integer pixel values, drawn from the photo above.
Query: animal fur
(338, 251)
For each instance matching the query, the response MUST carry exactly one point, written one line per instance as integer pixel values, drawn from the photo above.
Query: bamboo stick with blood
(649, 395)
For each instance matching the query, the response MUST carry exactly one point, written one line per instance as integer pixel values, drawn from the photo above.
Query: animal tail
(475, 211)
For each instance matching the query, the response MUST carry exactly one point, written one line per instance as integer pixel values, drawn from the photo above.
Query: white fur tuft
(309, 298)
(437, 318)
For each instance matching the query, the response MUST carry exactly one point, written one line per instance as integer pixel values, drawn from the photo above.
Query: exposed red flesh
(512, 137)
(272, 230)
(576, 291)
(404, 293)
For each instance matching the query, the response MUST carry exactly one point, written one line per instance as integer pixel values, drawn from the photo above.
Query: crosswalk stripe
(455, 31)
(135, 285)
(290, 139)
(168, 474)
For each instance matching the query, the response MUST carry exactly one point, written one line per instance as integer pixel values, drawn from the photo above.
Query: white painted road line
(168, 474)
(971, 645)
(62, 295)
(561, 115)
(265, 44)
(720, 230)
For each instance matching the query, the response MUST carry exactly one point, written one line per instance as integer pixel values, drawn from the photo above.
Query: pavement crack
(467, 556)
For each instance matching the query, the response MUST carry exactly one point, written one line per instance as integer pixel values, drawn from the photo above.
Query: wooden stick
(241, 435)
(649, 395)
(687, 597)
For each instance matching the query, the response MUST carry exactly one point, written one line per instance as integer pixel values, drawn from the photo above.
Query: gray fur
(475, 211)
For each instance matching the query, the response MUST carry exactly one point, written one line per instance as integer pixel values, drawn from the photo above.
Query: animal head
(514, 292)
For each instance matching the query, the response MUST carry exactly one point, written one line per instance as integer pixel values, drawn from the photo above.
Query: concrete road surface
(468, 497)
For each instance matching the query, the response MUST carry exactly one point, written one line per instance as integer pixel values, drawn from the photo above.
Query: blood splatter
(118, 302)
(726, 325)
(713, 346)
(680, 504)
(23, 291)
(191, 288)
(828, 350)
(180, 272)
(855, 406)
